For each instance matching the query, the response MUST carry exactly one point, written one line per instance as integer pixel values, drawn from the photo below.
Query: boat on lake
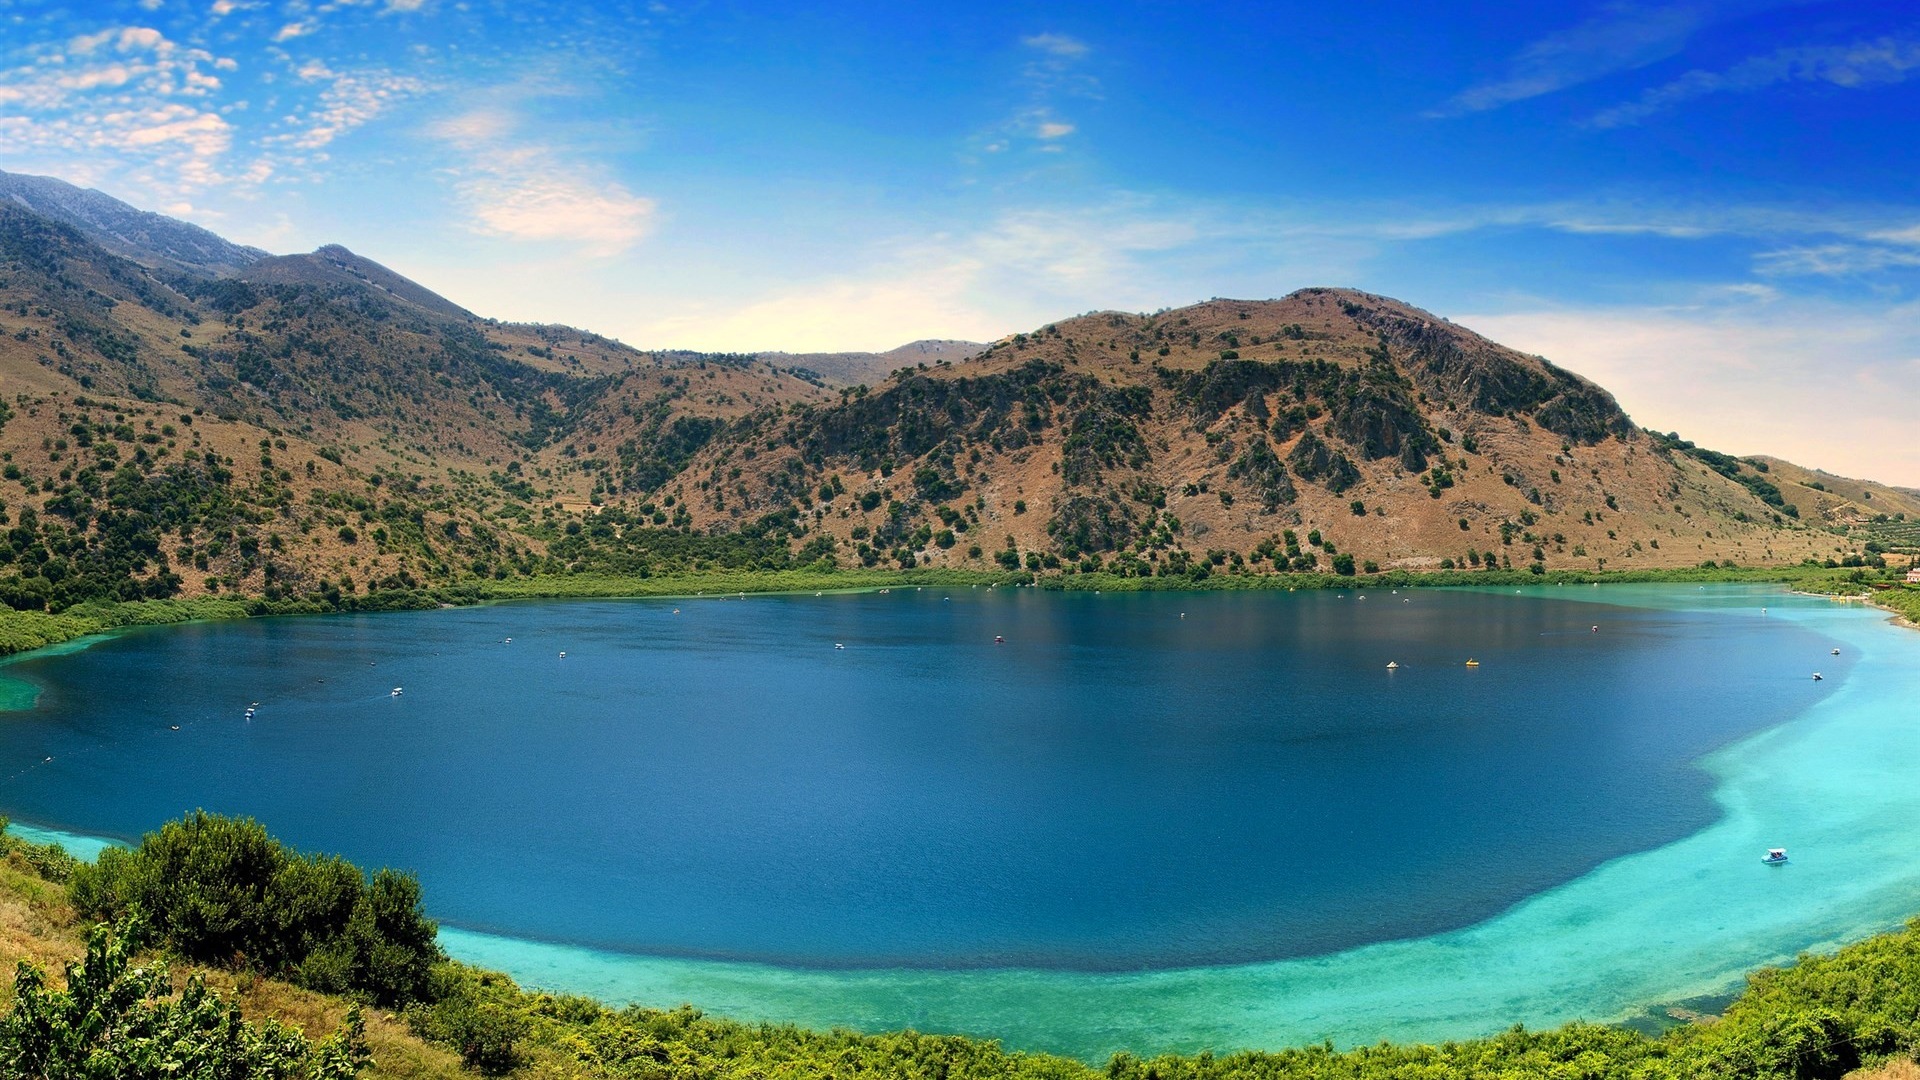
(1775, 856)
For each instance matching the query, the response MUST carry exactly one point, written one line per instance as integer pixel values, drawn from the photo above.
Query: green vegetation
(218, 889)
(1817, 1020)
(117, 1020)
(1745, 473)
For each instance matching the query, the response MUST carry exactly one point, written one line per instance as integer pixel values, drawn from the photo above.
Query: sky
(1711, 207)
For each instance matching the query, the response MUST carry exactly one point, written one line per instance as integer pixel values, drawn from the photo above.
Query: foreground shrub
(221, 891)
(121, 1021)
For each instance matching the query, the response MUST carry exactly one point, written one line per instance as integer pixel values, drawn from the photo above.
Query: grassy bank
(24, 631)
(1821, 1019)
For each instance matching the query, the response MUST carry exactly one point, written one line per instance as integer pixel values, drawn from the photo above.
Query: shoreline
(26, 633)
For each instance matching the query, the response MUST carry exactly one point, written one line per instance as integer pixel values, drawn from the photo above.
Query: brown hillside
(311, 424)
(1400, 438)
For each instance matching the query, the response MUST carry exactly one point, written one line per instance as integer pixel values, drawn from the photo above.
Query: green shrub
(221, 891)
(115, 1020)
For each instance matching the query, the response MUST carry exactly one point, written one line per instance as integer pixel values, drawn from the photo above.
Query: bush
(117, 1020)
(486, 1034)
(221, 891)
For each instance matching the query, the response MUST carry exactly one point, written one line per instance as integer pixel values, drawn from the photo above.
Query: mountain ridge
(125, 229)
(318, 424)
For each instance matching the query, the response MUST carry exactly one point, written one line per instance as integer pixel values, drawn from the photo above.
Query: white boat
(1775, 856)
(396, 692)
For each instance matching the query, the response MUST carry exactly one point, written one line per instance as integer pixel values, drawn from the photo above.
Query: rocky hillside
(1324, 426)
(179, 417)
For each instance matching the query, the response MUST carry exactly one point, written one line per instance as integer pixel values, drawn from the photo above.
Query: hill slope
(318, 425)
(1211, 432)
(146, 237)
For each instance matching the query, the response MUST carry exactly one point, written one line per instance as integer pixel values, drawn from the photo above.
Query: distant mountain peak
(150, 239)
(334, 264)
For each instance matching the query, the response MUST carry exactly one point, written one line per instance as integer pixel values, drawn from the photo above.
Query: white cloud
(1835, 260)
(1057, 45)
(529, 191)
(1623, 36)
(1054, 72)
(347, 100)
(124, 94)
(604, 220)
(1880, 62)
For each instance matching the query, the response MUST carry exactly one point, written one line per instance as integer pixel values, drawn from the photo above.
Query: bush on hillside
(117, 1020)
(221, 891)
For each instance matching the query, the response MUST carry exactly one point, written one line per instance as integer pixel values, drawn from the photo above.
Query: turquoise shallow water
(1834, 782)
(1689, 918)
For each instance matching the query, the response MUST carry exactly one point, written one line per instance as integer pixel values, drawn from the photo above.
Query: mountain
(1237, 431)
(318, 425)
(147, 238)
(334, 265)
(863, 368)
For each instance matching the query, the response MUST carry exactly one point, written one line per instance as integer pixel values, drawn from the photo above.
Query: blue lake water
(1144, 820)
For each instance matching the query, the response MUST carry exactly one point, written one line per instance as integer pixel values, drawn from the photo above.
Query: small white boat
(1393, 665)
(396, 692)
(1775, 856)
(1836, 652)
(563, 654)
(1816, 676)
(837, 645)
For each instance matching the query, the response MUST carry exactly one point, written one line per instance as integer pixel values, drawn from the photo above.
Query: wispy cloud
(1624, 35)
(1051, 74)
(526, 190)
(126, 92)
(1835, 260)
(346, 100)
(1879, 62)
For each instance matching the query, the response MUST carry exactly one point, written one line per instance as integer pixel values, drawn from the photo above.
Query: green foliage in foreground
(221, 891)
(1817, 1020)
(226, 882)
(124, 1022)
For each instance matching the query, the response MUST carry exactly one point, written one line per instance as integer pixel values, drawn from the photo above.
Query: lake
(865, 809)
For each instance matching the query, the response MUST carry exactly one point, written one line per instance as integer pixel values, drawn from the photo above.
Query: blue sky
(1710, 206)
